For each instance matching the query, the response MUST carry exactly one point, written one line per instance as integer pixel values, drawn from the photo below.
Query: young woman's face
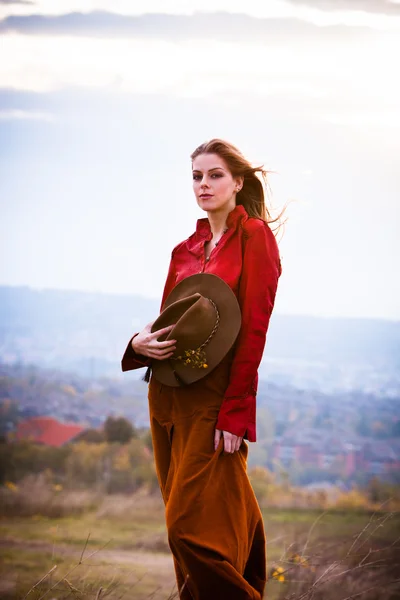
(214, 187)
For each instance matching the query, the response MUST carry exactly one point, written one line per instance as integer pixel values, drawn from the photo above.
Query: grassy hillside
(120, 547)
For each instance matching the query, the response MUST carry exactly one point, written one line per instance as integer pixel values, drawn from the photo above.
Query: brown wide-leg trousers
(215, 527)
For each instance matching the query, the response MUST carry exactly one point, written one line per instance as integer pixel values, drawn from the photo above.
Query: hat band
(197, 358)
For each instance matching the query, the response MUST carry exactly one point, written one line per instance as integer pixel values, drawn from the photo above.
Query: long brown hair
(253, 195)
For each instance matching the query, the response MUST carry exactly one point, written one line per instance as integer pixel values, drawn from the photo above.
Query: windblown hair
(253, 195)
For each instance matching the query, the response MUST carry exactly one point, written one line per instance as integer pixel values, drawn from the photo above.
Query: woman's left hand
(231, 442)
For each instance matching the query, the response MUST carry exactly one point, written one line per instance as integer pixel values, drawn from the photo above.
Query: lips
(205, 196)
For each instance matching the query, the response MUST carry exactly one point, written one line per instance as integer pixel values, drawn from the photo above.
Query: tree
(147, 440)
(91, 436)
(118, 429)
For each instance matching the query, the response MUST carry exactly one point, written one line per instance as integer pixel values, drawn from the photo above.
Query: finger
(157, 334)
(167, 356)
(162, 352)
(238, 443)
(233, 443)
(217, 437)
(154, 353)
(165, 344)
(227, 442)
(158, 357)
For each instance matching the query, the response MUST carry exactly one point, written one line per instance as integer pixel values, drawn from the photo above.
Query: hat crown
(194, 317)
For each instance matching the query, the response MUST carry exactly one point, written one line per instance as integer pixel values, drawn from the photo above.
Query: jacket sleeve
(258, 284)
(130, 359)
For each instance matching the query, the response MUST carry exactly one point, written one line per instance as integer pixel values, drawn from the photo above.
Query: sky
(102, 103)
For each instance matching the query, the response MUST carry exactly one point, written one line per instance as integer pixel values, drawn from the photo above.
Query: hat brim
(213, 287)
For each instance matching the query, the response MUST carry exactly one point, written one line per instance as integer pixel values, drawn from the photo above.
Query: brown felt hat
(207, 320)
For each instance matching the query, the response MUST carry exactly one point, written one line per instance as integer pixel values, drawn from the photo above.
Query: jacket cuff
(237, 415)
(131, 360)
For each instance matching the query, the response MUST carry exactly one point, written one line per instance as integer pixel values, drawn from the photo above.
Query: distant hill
(310, 433)
(87, 333)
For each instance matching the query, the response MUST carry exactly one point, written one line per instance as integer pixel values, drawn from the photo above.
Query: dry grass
(355, 566)
(46, 551)
(35, 495)
(67, 575)
(312, 566)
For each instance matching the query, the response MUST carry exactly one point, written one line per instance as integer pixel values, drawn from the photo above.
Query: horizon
(158, 299)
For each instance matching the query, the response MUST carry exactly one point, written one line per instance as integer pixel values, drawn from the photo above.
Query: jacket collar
(203, 229)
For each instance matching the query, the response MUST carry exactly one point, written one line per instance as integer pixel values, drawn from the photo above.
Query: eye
(216, 175)
(196, 177)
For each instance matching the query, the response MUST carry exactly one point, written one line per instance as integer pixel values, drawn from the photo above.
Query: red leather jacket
(247, 258)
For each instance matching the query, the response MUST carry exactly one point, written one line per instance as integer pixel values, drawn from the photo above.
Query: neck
(218, 219)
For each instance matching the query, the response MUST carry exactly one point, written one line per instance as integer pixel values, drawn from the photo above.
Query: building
(322, 450)
(46, 430)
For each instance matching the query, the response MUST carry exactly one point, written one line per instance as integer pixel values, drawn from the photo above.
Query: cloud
(221, 26)
(17, 2)
(17, 114)
(384, 7)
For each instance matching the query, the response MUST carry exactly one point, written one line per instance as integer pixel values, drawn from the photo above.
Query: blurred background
(101, 104)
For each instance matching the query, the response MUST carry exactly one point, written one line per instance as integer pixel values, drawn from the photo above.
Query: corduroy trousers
(215, 527)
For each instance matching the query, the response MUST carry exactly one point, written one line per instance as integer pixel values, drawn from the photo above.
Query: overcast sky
(102, 102)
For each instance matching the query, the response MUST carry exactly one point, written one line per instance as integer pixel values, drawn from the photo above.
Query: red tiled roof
(46, 430)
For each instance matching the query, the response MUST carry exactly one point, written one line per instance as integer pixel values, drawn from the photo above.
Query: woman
(215, 527)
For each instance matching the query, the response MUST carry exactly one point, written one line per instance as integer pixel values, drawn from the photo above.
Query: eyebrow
(209, 170)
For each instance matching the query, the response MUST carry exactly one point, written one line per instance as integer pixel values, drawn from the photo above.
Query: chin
(207, 206)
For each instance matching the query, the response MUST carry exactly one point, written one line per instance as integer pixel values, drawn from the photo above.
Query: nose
(204, 182)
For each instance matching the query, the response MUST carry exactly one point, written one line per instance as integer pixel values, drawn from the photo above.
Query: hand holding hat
(146, 343)
(202, 315)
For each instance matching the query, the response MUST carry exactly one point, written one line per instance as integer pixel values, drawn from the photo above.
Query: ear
(239, 183)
